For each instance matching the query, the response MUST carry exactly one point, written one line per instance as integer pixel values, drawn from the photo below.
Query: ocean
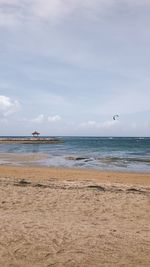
(102, 153)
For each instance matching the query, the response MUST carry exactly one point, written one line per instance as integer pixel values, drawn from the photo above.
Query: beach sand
(73, 218)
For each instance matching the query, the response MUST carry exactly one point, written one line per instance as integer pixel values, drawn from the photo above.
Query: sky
(67, 66)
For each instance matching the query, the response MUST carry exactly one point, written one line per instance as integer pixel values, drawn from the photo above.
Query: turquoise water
(104, 153)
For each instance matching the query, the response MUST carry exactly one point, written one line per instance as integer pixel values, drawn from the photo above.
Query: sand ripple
(74, 223)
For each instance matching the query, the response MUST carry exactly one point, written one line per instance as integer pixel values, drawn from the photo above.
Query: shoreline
(45, 160)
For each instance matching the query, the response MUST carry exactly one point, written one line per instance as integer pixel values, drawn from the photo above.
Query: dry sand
(73, 218)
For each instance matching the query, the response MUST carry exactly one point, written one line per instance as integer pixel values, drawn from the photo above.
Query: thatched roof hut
(35, 133)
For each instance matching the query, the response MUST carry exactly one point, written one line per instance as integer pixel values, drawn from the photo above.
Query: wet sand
(73, 218)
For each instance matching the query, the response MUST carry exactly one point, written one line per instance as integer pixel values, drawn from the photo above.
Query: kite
(115, 117)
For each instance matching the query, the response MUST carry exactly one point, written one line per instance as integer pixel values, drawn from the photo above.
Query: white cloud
(38, 119)
(54, 118)
(55, 10)
(7, 20)
(59, 9)
(12, 12)
(127, 101)
(42, 118)
(109, 124)
(52, 10)
(98, 125)
(8, 106)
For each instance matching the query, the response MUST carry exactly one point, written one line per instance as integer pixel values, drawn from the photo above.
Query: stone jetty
(30, 140)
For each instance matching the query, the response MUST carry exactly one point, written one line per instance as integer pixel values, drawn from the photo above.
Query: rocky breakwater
(30, 140)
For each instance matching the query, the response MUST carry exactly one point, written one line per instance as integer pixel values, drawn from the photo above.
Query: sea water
(102, 153)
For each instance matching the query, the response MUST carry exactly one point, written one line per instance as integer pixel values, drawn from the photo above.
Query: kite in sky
(115, 117)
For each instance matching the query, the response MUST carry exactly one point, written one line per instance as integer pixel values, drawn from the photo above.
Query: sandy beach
(73, 218)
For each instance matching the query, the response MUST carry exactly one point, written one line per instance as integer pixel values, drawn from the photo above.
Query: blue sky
(67, 66)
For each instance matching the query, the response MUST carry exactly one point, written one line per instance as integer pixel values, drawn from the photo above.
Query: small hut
(35, 133)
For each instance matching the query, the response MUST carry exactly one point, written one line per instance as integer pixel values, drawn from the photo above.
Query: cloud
(127, 101)
(109, 124)
(12, 12)
(16, 11)
(98, 125)
(38, 119)
(54, 118)
(8, 106)
(42, 118)
(52, 10)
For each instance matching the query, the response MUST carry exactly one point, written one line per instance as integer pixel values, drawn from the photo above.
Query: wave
(124, 159)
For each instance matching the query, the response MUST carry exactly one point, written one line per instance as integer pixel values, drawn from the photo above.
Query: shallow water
(104, 153)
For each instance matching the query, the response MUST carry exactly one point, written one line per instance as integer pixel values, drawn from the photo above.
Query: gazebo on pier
(35, 133)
